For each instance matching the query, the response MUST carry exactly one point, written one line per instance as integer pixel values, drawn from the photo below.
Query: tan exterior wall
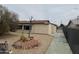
(53, 29)
(49, 29)
(40, 28)
(45, 29)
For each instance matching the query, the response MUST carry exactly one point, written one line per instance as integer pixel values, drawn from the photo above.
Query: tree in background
(8, 20)
(13, 22)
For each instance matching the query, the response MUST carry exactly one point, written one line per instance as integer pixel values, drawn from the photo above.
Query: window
(26, 27)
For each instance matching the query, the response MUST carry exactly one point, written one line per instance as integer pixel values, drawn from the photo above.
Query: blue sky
(56, 13)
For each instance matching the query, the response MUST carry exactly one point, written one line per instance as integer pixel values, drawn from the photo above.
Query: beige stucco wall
(53, 29)
(49, 29)
(40, 28)
(43, 29)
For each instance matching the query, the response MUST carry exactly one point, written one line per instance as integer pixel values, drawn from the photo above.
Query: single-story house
(38, 26)
(74, 23)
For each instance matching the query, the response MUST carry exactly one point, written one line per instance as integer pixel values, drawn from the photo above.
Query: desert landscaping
(14, 36)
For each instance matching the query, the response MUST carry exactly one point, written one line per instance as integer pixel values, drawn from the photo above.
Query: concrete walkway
(59, 45)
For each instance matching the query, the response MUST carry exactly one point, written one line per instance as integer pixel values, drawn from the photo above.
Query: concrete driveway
(59, 45)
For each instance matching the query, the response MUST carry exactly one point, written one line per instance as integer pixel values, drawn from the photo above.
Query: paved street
(59, 45)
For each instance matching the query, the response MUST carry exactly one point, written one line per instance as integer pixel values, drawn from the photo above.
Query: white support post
(22, 29)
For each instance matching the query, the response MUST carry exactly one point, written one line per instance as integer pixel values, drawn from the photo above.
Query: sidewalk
(59, 45)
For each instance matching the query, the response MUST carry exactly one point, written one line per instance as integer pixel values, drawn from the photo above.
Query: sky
(55, 13)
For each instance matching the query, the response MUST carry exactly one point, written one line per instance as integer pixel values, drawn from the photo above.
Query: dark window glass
(26, 27)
